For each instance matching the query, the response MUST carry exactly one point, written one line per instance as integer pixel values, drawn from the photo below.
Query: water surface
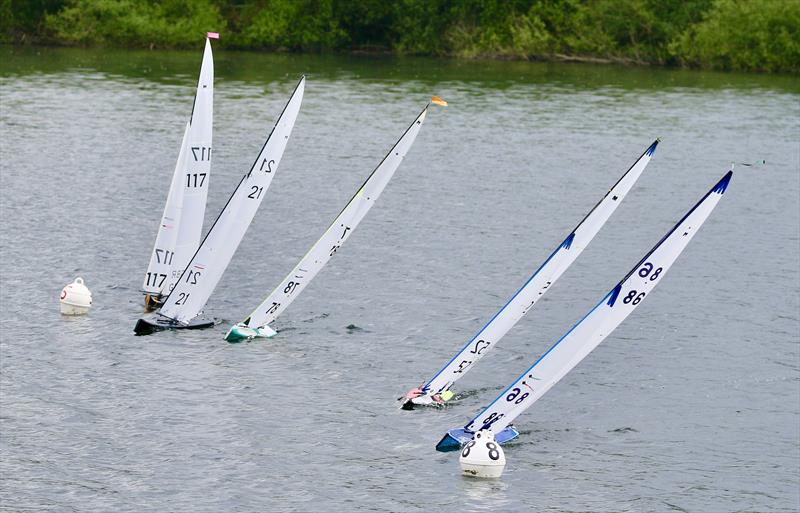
(693, 404)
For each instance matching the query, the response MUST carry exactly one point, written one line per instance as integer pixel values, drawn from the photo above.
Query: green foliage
(291, 24)
(169, 23)
(743, 35)
(22, 19)
(721, 34)
(635, 30)
(418, 26)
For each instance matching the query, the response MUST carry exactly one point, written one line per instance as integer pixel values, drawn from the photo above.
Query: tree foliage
(134, 22)
(759, 35)
(742, 35)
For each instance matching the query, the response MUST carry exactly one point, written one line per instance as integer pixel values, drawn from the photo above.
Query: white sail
(164, 249)
(587, 334)
(341, 228)
(527, 296)
(182, 222)
(205, 268)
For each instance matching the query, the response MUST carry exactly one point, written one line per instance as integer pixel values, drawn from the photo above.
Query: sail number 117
(195, 179)
(201, 153)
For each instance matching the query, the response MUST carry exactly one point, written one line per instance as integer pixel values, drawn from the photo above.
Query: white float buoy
(75, 298)
(482, 456)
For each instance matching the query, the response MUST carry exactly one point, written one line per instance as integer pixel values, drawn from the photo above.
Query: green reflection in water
(179, 67)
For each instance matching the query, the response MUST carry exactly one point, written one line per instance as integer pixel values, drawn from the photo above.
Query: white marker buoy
(482, 456)
(75, 298)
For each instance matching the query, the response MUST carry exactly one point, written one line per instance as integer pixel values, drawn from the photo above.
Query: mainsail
(205, 268)
(330, 242)
(587, 334)
(437, 389)
(182, 221)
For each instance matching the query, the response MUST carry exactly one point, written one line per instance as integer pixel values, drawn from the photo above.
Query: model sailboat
(437, 389)
(204, 269)
(257, 323)
(589, 332)
(182, 221)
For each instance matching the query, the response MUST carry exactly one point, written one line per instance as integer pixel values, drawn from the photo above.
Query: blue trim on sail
(426, 387)
(528, 371)
(720, 187)
(568, 241)
(723, 183)
(614, 295)
(611, 297)
(565, 245)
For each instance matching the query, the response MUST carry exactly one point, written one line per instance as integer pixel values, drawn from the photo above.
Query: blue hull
(455, 438)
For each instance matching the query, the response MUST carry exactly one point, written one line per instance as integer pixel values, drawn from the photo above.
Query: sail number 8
(647, 269)
(515, 395)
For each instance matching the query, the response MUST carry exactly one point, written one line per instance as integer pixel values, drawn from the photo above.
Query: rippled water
(693, 404)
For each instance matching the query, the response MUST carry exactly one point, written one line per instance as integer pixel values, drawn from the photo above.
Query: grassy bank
(749, 35)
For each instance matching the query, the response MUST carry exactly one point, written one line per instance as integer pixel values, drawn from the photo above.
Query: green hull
(240, 332)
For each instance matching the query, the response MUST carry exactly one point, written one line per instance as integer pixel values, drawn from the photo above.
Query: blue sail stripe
(598, 305)
(611, 297)
(564, 245)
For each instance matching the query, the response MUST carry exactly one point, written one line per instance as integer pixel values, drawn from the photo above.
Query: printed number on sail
(155, 279)
(166, 254)
(494, 417)
(515, 397)
(645, 270)
(479, 346)
(204, 153)
(195, 179)
(191, 277)
(269, 166)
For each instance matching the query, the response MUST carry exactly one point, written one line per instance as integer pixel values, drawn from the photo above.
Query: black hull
(148, 325)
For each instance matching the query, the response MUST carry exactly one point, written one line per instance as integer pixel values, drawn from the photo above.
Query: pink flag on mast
(212, 35)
